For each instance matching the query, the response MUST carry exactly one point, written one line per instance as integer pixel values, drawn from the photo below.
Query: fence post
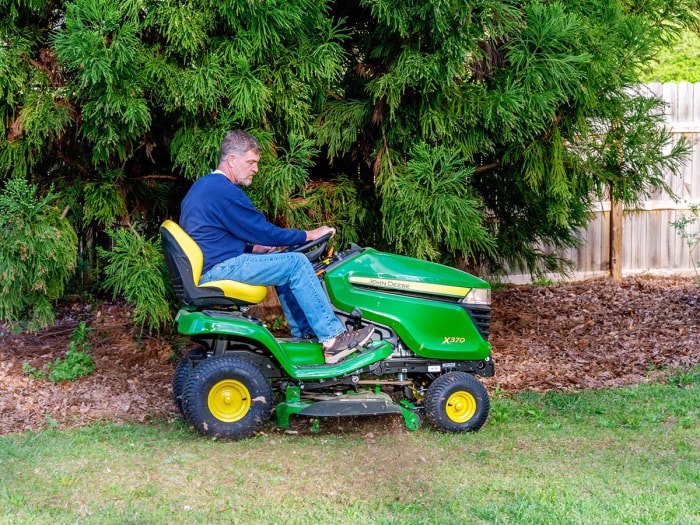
(616, 216)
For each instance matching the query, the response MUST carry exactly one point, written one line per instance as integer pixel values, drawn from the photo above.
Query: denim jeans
(298, 323)
(303, 299)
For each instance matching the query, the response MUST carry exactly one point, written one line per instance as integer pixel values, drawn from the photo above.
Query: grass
(627, 456)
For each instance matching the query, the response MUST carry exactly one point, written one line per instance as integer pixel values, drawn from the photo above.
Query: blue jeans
(298, 323)
(303, 299)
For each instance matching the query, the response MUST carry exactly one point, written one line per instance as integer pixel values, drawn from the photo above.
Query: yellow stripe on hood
(411, 286)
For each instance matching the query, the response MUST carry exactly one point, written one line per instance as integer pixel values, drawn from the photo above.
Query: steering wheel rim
(321, 242)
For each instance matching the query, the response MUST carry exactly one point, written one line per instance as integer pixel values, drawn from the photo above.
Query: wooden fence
(649, 243)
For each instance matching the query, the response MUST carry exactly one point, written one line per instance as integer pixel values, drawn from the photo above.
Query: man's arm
(311, 235)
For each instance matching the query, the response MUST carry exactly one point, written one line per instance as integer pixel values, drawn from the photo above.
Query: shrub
(38, 251)
(687, 228)
(136, 270)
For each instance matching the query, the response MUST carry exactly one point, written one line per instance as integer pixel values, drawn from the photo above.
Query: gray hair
(238, 142)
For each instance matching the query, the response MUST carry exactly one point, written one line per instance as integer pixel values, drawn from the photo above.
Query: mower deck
(363, 403)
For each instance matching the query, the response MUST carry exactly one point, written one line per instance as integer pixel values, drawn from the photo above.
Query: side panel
(299, 360)
(418, 299)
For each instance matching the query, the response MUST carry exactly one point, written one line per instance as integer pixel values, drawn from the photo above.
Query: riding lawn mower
(430, 341)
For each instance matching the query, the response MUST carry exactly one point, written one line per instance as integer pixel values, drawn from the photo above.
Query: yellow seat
(185, 260)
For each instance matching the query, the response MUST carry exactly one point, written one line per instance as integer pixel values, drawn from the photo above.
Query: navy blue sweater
(223, 221)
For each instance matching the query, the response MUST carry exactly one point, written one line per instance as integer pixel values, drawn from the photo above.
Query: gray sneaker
(346, 343)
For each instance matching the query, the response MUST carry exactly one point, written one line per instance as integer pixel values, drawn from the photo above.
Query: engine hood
(371, 269)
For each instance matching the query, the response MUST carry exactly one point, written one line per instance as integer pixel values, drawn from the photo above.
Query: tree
(466, 131)
(523, 92)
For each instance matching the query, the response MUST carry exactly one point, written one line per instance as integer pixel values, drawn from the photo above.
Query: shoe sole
(331, 360)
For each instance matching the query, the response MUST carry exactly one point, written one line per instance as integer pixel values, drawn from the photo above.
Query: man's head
(239, 156)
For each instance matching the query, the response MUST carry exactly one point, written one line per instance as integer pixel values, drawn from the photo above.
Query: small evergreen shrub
(38, 252)
(136, 269)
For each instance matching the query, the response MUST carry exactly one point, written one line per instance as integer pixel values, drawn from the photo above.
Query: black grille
(481, 316)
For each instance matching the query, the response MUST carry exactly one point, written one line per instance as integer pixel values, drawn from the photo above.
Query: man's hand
(312, 235)
(259, 248)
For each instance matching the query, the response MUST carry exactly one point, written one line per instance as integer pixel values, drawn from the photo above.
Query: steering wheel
(305, 248)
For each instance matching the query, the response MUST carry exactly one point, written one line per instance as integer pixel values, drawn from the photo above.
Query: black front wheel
(456, 402)
(227, 397)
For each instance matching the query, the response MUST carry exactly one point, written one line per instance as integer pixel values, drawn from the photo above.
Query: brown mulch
(589, 334)
(594, 334)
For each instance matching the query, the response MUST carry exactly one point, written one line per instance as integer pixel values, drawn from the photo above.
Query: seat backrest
(185, 260)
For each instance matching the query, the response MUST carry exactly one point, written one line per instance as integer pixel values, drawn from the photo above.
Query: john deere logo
(411, 286)
(386, 283)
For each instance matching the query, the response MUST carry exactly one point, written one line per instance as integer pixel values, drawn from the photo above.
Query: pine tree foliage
(285, 174)
(518, 90)
(100, 49)
(115, 101)
(136, 270)
(632, 151)
(104, 201)
(342, 204)
(429, 204)
(37, 254)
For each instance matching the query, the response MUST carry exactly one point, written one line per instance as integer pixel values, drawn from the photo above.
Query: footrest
(375, 351)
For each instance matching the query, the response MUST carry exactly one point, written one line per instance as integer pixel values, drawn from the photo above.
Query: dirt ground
(590, 334)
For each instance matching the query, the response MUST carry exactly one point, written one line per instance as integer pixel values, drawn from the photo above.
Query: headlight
(478, 296)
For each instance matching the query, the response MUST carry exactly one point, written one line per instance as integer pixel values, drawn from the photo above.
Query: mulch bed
(590, 334)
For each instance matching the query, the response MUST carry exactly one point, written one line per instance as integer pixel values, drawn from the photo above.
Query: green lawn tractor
(430, 341)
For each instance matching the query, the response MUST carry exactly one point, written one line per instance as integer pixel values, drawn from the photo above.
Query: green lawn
(597, 457)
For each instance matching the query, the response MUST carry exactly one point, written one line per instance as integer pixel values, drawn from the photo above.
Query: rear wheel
(227, 397)
(457, 402)
(182, 372)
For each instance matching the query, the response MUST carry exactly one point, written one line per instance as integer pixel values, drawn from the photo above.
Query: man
(236, 238)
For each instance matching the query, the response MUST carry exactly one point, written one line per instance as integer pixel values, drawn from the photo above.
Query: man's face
(243, 167)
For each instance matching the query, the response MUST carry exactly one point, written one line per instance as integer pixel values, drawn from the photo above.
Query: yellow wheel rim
(229, 400)
(461, 407)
